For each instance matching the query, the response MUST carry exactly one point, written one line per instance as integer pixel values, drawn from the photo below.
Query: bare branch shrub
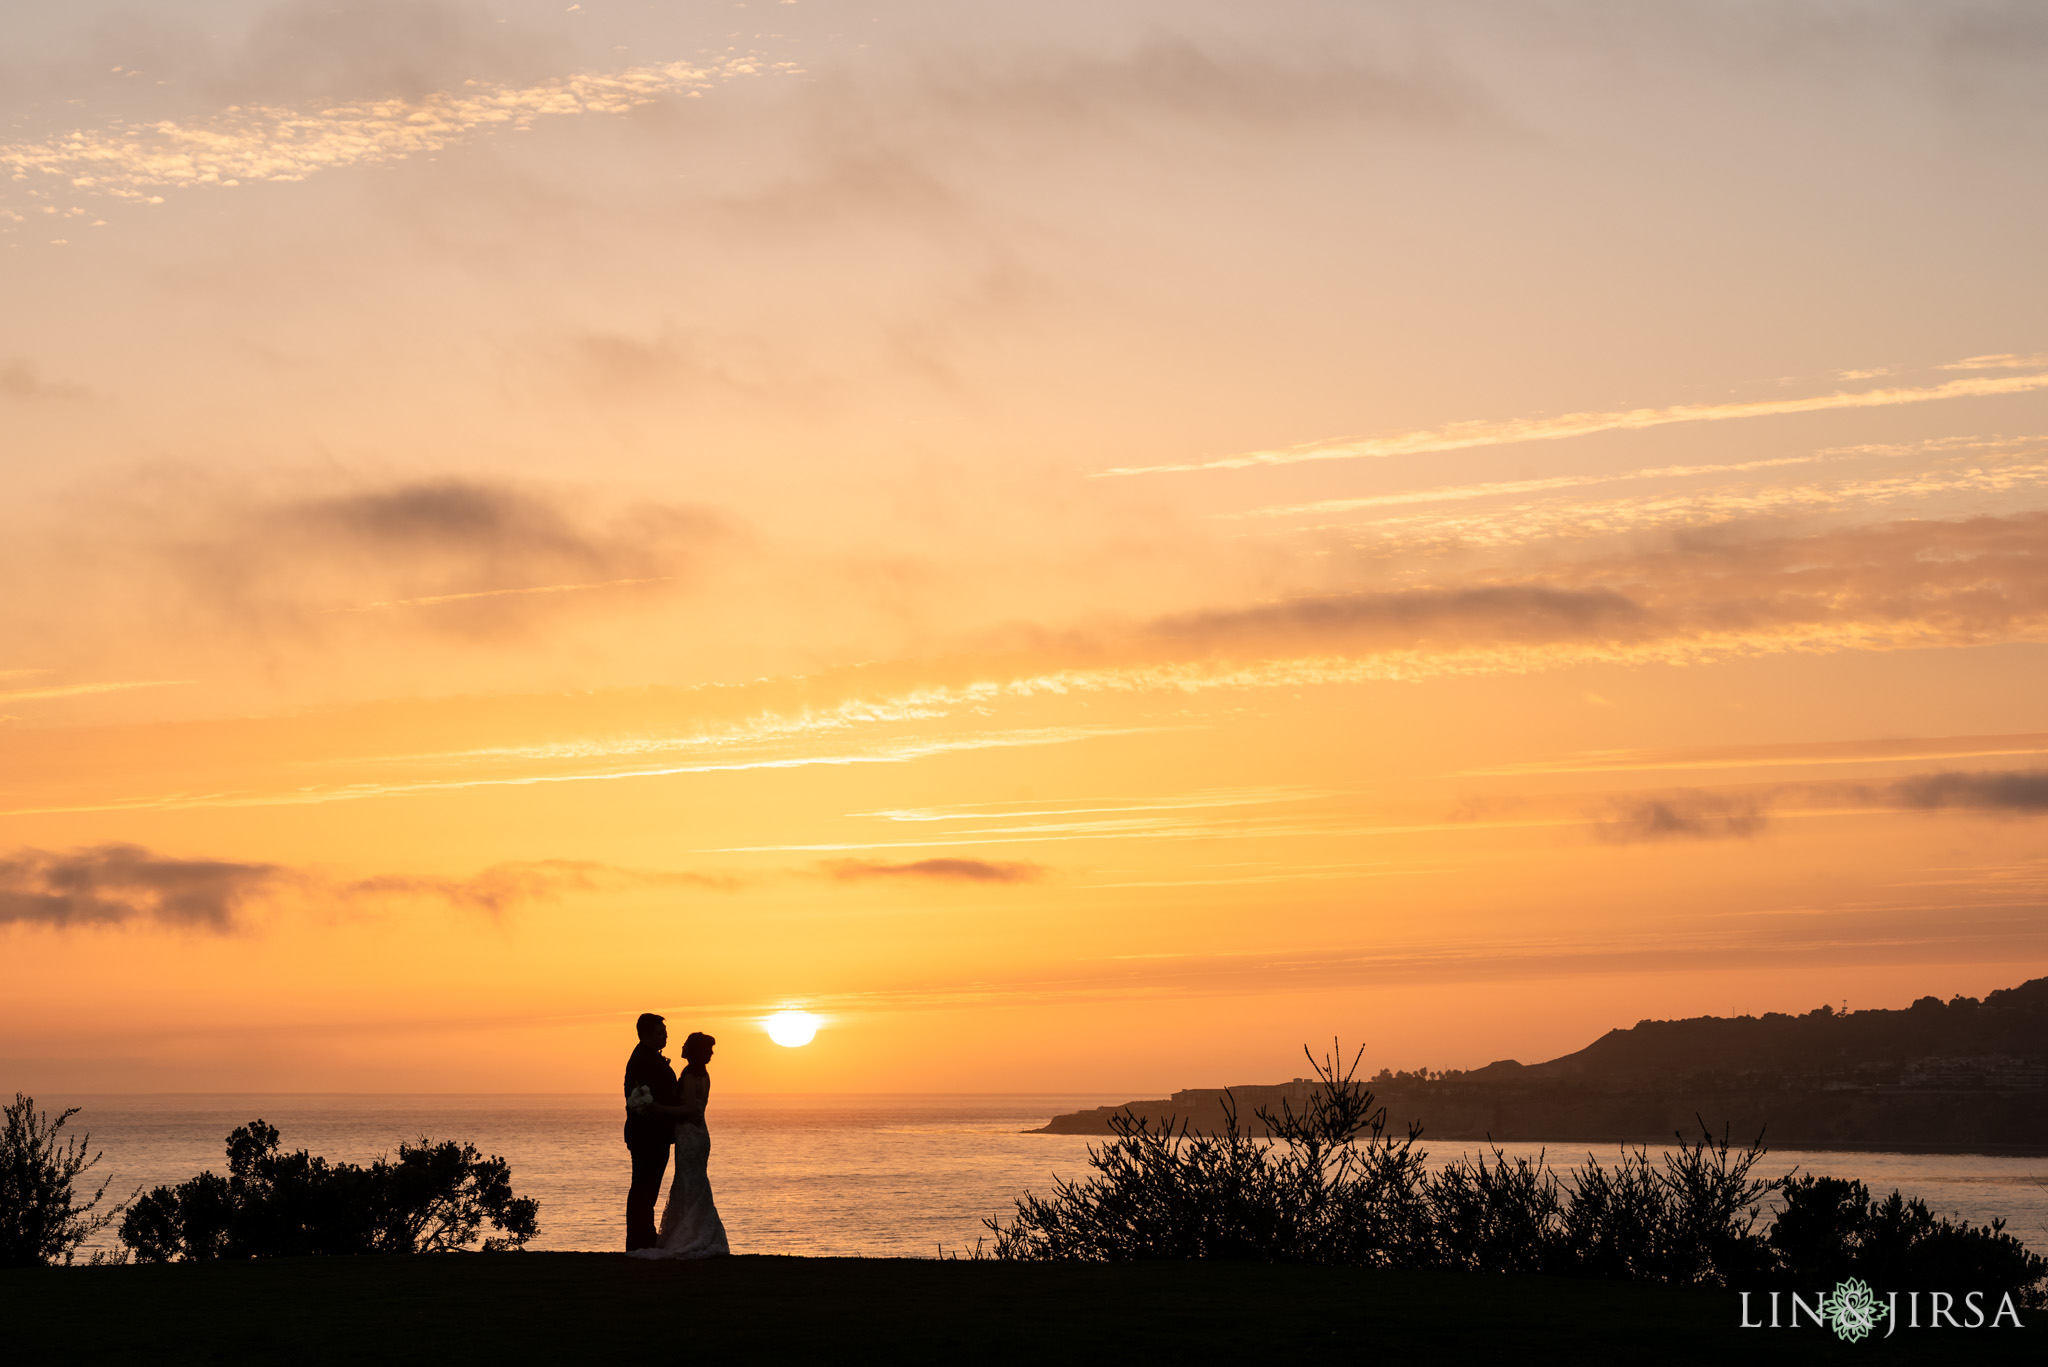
(41, 1218)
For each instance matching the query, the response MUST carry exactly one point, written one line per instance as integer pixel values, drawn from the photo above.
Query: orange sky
(1089, 547)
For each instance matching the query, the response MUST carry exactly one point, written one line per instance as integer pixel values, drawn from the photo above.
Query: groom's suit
(648, 1138)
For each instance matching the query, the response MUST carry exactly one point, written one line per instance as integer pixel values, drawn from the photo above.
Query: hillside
(1964, 1075)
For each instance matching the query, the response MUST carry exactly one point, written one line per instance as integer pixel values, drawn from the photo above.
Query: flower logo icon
(1853, 1310)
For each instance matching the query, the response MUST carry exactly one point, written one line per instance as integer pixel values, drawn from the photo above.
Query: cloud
(1489, 615)
(884, 752)
(1994, 475)
(612, 366)
(1706, 595)
(1685, 815)
(907, 135)
(109, 884)
(240, 145)
(1788, 755)
(1461, 436)
(79, 690)
(940, 870)
(120, 884)
(1500, 488)
(335, 51)
(2011, 791)
(2003, 360)
(19, 380)
(1206, 79)
(461, 556)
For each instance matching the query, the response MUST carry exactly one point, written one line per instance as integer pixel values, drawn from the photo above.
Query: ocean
(876, 1175)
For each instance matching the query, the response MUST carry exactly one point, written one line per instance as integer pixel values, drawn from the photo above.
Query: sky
(1090, 546)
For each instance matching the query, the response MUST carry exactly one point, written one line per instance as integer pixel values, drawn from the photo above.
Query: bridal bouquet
(640, 1100)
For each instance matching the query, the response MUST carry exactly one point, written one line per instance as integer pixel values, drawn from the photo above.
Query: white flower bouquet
(640, 1101)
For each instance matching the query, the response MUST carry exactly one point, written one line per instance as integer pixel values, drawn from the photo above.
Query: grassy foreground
(578, 1307)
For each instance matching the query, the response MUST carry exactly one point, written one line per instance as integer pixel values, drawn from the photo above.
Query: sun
(792, 1029)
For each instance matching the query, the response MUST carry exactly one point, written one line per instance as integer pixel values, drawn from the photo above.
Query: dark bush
(435, 1198)
(41, 1218)
(1831, 1228)
(1332, 1185)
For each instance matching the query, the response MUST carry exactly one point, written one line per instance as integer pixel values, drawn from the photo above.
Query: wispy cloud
(1506, 488)
(1013, 811)
(80, 690)
(248, 145)
(1738, 813)
(109, 884)
(1797, 754)
(899, 752)
(1465, 435)
(939, 870)
(20, 380)
(2003, 360)
(1548, 519)
(119, 884)
(460, 557)
(1681, 816)
(2014, 791)
(434, 600)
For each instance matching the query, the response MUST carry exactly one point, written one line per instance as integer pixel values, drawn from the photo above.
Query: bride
(690, 1227)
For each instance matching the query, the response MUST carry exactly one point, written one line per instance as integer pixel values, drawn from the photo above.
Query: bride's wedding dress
(690, 1227)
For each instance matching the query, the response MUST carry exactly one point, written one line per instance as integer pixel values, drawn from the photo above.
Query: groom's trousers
(649, 1164)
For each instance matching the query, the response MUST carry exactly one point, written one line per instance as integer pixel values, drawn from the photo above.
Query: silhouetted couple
(664, 1111)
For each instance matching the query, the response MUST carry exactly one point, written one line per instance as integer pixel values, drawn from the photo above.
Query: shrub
(1689, 1218)
(1332, 1185)
(1831, 1228)
(435, 1198)
(40, 1219)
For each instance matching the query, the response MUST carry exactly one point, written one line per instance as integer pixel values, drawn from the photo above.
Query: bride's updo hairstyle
(697, 1043)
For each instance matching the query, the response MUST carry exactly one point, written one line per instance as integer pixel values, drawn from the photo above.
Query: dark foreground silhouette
(589, 1307)
(1339, 1187)
(433, 1198)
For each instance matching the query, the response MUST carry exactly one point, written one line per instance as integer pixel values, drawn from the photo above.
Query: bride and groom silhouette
(664, 1111)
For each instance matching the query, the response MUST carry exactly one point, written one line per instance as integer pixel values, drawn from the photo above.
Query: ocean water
(875, 1175)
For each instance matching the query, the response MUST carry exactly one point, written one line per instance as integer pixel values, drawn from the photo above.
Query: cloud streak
(1461, 436)
(134, 161)
(898, 752)
(1681, 816)
(1460, 492)
(435, 600)
(111, 884)
(20, 380)
(2018, 792)
(1540, 519)
(80, 690)
(124, 884)
(1796, 754)
(457, 557)
(935, 870)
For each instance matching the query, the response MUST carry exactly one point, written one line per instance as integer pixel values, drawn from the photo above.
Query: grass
(579, 1307)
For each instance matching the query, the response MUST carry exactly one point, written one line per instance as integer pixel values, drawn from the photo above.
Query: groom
(650, 1133)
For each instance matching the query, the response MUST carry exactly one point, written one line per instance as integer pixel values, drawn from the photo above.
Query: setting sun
(791, 1029)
